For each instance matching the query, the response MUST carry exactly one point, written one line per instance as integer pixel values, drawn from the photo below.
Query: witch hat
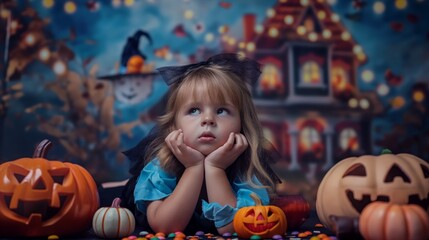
(132, 59)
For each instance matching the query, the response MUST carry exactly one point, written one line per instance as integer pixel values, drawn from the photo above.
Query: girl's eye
(222, 111)
(194, 111)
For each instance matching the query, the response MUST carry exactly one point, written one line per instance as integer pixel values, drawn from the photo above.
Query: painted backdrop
(340, 78)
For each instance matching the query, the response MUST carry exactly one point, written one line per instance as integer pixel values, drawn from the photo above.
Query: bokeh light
(379, 7)
(398, 102)
(367, 76)
(353, 102)
(44, 54)
(48, 3)
(401, 4)
(383, 89)
(70, 7)
(59, 67)
(188, 14)
(418, 96)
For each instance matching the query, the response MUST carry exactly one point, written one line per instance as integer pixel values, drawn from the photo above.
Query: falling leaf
(224, 4)
(392, 79)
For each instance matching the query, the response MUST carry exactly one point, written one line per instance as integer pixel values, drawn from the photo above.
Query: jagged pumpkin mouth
(359, 205)
(260, 227)
(38, 207)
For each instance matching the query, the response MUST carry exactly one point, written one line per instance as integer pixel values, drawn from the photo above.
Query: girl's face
(206, 124)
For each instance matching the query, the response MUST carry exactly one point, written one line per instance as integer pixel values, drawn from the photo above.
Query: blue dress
(154, 183)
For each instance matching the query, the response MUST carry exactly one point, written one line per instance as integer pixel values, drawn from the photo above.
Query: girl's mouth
(206, 137)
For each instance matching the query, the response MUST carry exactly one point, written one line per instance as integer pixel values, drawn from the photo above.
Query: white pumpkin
(114, 221)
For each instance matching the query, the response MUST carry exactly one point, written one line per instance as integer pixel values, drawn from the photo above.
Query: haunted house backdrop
(339, 78)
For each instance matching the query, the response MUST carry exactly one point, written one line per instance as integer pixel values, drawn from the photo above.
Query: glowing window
(348, 139)
(339, 78)
(309, 137)
(311, 74)
(271, 79)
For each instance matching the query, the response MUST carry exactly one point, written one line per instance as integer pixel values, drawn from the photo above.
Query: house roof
(286, 23)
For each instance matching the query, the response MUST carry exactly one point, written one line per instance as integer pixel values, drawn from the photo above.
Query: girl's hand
(186, 155)
(225, 155)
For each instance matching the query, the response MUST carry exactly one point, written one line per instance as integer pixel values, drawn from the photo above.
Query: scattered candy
(53, 237)
(255, 237)
(277, 237)
(199, 233)
(227, 234)
(143, 233)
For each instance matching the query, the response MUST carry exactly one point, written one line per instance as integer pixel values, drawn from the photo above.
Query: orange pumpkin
(353, 183)
(382, 221)
(39, 197)
(264, 221)
(135, 64)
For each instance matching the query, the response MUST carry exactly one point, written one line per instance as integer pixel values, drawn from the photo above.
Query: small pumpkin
(355, 182)
(39, 197)
(264, 221)
(114, 221)
(135, 64)
(382, 221)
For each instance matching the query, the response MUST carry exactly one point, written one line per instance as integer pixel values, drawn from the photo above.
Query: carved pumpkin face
(355, 182)
(264, 221)
(40, 197)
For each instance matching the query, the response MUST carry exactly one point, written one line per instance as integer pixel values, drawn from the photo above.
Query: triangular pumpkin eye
(425, 170)
(58, 175)
(18, 172)
(396, 171)
(356, 169)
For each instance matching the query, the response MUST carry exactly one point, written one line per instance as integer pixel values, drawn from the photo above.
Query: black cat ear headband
(245, 68)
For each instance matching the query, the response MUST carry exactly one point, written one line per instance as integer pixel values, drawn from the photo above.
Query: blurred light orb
(30, 39)
(398, 102)
(259, 28)
(250, 47)
(44, 54)
(288, 19)
(129, 3)
(327, 33)
(364, 103)
(209, 37)
(273, 32)
(70, 7)
(401, 4)
(353, 102)
(383, 89)
(379, 7)
(418, 96)
(48, 3)
(59, 67)
(367, 76)
(188, 14)
(312, 36)
(271, 12)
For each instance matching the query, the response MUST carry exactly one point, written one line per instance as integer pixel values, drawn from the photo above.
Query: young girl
(208, 156)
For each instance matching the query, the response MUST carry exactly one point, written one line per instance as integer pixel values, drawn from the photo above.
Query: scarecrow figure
(137, 94)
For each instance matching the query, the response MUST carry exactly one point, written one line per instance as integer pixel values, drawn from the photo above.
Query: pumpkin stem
(256, 199)
(42, 149)
(116, 203)
(386, 151)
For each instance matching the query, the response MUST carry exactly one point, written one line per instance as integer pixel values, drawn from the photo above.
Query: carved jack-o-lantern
(264, 221)
(353, 183)
(40, 197)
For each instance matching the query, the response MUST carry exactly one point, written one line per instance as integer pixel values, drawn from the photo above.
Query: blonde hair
(220, 85)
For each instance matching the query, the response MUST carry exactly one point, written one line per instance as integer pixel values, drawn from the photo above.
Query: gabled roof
(288, 19)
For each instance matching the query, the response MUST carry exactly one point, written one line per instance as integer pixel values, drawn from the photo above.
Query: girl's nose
(208, 119)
